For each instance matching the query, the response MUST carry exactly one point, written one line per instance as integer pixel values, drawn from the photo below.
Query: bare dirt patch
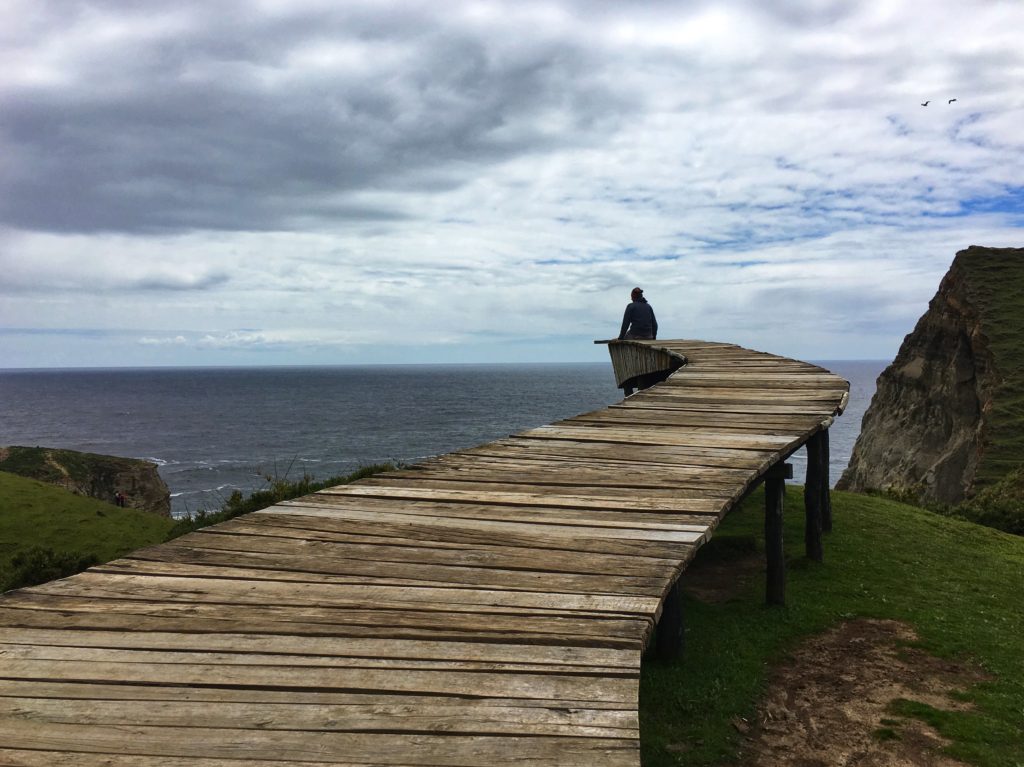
(827, 705)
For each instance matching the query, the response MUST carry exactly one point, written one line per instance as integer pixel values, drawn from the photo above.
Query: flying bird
(929, 101)
(951, 101)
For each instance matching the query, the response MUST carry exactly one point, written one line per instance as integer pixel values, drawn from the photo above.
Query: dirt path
(828, 705)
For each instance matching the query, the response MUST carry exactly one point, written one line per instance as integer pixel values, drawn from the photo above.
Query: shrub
(39, 565)
(277, 490)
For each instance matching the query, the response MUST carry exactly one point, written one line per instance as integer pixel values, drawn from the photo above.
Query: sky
(302, 182)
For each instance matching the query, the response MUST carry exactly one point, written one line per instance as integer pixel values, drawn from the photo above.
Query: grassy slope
(996, 286)
(958, 584)
(33, 513)
(35, 462)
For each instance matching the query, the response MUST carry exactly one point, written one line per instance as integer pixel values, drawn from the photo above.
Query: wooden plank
(215, 660)
(408, 530)
(10, 757)
(110, 585)
(816, 410)
(522, 560)
(567, 486)
(255, 746)
(640, 453)
(609, 688)
(569, 657)
(757, 386)
(498, 498)
(540, 519)
(729, 423)
(567, 481)
(114, 691)
(699, 437)
(774, 396)
(289, 540)
(422, 714)
(592, 469)
(176, 616)
(413, 574)
(637, 455)
(439, 576)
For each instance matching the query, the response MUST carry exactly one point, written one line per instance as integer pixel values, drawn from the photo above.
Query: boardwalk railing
(484, 607)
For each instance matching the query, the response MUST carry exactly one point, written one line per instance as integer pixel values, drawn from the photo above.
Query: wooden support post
(826, 497)
(774, 495)
(813, 500)
(669, 640)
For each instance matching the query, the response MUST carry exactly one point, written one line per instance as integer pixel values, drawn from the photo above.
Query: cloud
(162, 341)
(338, 176)
(273, 123)
(178, 281)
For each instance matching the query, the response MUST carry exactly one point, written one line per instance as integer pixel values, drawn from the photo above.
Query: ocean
(214, 430)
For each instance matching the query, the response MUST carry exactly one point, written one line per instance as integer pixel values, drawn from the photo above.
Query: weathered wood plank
(499, 498)
(700, 437)
(256, 747)
(423, 714)
(216, 660)
(569, 657)
(650, 523)
(609, 688)
(51, 611)
(109, 585)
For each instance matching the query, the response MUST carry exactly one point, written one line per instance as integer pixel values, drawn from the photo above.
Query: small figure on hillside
(638, 321)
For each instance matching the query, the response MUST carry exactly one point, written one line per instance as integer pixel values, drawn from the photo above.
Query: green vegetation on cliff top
(52, 465)
(955, 583)
(48, 531)
(995, 285)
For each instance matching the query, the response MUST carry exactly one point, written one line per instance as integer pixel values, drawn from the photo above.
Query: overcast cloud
(318, 182)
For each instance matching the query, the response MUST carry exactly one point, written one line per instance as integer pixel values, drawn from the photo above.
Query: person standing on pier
(638, 321)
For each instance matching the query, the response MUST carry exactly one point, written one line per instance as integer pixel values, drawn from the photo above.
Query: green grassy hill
(957, 584)
(48, 531)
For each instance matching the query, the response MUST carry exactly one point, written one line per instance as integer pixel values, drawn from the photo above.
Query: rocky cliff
(942, 420)
(97, 476)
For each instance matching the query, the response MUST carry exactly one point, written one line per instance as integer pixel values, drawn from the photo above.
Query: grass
(47, 532)
(995, 283)
(41, 463)
(956, 583)
(36, 518)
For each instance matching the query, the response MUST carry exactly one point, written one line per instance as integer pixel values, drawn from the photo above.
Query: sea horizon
(305, 366)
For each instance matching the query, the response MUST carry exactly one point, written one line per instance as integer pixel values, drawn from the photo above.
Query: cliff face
(97, 476)
(926, 430)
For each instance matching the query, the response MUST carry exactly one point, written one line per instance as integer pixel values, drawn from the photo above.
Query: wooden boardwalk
(484, 607)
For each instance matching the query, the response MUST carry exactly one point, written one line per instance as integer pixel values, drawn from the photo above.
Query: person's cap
(637, 292)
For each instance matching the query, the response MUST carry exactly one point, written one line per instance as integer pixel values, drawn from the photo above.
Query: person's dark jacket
(639, 321)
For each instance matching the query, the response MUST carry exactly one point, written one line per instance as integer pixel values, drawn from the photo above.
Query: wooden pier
(484, 607)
